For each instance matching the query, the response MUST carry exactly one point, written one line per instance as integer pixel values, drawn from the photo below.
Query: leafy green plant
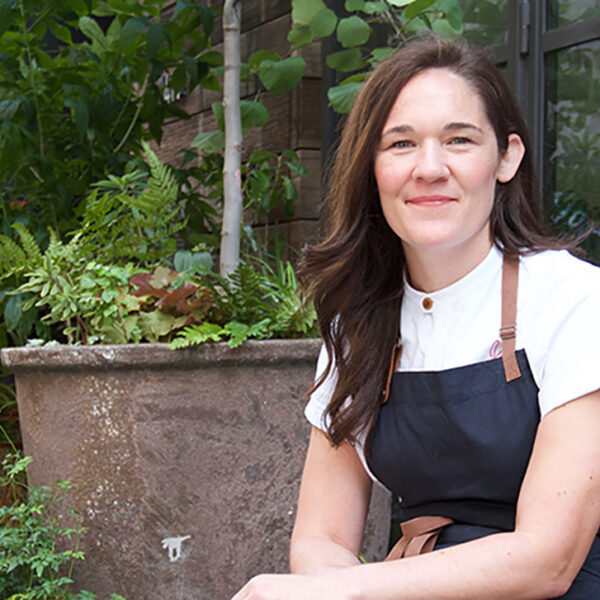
(268, 182)
(35, 561)
(312, 19)
(254, 302)
(124, 219)
(81, 85)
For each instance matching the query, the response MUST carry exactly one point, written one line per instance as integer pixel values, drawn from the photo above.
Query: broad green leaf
(9, 107)
(191, 66)
(360, 77)
(114, 29)
(282, 75)
(184, 260)
(162, 277)
(304, 11)
(300, 35)
(417, 7)
(443, 26)
(7, 18)
(79, 7)
(260, 156)
(61, 32)
(181, 5)
(254, 114)
(323, 24)
(453, 13)
(91, 30)
(346, 60)
(206, 17)
(400, 2)
(290, 189)
(154, 39)
(210, 82)
(379, 54)
(256, 58)
(156, 323)
(217, 110)
(212, 58)
(342, 97)
(131, 32)
(80, 114)
(375, 7)
(259, 181)
(178, 78)
(353, 31)
(12, 312)
(352, 5)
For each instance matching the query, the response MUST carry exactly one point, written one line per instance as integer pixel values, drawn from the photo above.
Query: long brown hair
(355, 276)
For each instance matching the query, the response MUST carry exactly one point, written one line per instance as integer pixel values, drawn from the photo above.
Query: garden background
(111, 159)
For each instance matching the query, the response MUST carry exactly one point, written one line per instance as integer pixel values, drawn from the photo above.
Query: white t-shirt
(558, 325)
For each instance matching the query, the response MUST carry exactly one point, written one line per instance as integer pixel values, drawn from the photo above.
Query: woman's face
(437, 165)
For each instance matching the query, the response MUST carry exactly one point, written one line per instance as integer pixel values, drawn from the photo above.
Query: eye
(402, 144)
(460, 140)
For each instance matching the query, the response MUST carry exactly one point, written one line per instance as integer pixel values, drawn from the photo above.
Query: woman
(480, 405)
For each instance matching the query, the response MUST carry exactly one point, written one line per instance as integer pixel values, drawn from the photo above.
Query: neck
(435, 270)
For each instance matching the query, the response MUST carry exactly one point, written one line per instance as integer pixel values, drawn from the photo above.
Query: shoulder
(559, 324)
(559, 267)
(558, 280)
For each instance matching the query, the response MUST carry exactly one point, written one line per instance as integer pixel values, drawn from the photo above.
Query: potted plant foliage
(177, 453)
(185, 456)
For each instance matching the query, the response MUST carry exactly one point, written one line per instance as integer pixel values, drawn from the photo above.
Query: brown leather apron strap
(508, 328)
(418, 536)
(394, 362)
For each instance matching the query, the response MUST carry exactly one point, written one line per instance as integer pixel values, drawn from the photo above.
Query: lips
(431, 201)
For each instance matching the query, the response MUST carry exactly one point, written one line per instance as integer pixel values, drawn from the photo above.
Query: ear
(511, 159)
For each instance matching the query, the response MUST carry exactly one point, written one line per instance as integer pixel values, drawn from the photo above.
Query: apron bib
(454, 445)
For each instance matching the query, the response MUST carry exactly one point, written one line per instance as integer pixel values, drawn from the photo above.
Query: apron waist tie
(418, 536)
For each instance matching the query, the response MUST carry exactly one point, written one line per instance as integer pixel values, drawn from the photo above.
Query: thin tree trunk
(232, 208)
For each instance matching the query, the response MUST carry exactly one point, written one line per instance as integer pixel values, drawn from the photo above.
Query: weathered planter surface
(186, 464)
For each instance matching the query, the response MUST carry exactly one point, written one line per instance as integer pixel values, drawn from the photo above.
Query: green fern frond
(240, 332)
(54, 243)
(28, 243)
(245, 294)
(161, 193)
(291, 314)
(12, 256)
(97, 209)
(197, 334)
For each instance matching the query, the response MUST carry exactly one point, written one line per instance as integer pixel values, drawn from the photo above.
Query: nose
(430, 163)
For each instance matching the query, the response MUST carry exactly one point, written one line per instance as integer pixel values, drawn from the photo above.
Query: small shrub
(32, 567)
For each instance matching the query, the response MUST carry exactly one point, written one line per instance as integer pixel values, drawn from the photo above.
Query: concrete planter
(186, 464)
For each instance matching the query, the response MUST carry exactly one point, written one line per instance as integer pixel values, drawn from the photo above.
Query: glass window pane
(567, 12)
(485, 21)
(572, 143)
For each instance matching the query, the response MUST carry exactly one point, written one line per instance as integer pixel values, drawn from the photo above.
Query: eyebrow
(454, 126)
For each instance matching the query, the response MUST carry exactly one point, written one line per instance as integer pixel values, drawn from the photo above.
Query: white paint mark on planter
(173, 545)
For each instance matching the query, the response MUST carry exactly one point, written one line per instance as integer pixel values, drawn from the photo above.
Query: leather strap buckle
(508, 332)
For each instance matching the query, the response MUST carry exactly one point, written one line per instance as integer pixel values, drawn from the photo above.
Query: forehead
(438, 94)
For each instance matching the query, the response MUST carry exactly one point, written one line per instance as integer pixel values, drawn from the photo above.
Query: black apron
(456, 443)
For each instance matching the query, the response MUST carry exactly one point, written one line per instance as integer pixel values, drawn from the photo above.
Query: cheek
(483, 178)
(387, 175)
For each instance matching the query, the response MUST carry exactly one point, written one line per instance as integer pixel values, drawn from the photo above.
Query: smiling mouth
(431, 201)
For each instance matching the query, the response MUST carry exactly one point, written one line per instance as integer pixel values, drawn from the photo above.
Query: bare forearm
(315, 555)
(496, 568)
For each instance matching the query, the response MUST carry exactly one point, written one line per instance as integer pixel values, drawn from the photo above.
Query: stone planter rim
(127, 356)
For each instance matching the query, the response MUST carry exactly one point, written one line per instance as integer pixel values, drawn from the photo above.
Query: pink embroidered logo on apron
(496, 349)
